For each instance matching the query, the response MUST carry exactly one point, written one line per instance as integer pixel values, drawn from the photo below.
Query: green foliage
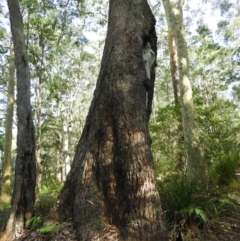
(51, 228)
(234, 185)
(44, 203)
(182, 201)
(2, 139)
(224, 168)
(47, 198)
(47, 229)
(188, 204)
(224, 203)
(166, 135)
(193, 211)
(51, 187)
(203, 31)
(218, 128)
(35, 222)
(4, 206)
(225, 6)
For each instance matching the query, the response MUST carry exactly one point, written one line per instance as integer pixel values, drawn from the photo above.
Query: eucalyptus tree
(6, 106)
(25, 166)
(180, 159)
(195, 166)
(7, 165)
(111, 187)
(214, 65)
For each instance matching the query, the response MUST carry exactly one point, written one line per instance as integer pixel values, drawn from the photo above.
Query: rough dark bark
(111, 188)
(25, 168)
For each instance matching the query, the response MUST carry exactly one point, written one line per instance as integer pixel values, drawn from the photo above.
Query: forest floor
(225, 227)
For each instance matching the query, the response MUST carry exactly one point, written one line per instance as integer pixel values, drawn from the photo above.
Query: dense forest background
(65, 41)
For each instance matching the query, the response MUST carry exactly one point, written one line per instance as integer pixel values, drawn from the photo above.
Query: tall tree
(111, 187)
(25, 167)
(195, 167)
(173, 65)
(38, 126)
(6, 174)
(180, 164)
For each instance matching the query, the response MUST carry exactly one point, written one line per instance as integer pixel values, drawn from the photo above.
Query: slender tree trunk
(7, 165)
(65, 149)
(39, 65)
(195, 167)
(180, 162)
(111, 189)
(59, 157)
(25, 168)
(70, 135)
(173, 66)
(38, 137)
(64, 117)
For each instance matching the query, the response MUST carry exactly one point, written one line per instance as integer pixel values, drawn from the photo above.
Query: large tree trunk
(7, 165)
(111, 188)
(25, 167)
(195, 167)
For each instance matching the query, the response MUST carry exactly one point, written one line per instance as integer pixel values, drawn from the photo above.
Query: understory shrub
(187, 205)
(224, 169)
(44, 203)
